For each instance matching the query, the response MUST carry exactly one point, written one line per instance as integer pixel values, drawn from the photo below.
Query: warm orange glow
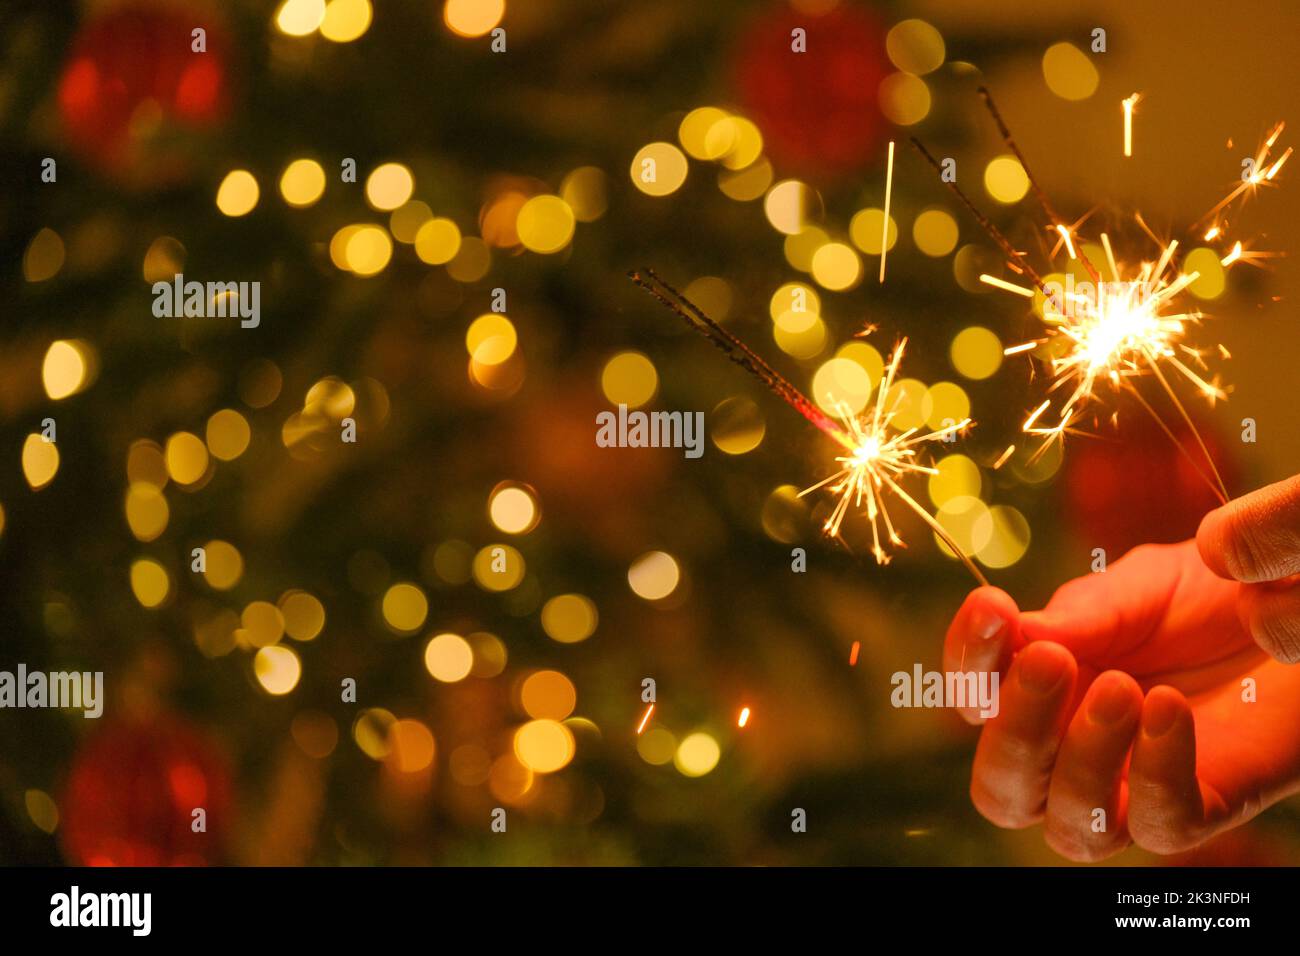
(645, 719)
(884, 225)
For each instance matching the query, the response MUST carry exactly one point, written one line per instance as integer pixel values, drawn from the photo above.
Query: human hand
(1255, 540)
(1137, 692)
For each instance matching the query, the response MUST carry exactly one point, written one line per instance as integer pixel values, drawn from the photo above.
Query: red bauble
(818, 109)
(133, 92)
(1132, 485)
(132, 792)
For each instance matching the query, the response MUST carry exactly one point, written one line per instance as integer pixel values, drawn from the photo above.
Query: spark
(645, 719)
(884, 228)
(1136, 325)
(1129, 103)
(1002, 459)
(1260, 174)
(877, 457)
(744, 717)
(1006, 286)
(1065, 234)
(853, 653)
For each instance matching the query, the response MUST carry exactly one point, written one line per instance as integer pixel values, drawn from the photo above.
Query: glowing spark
(1033, 416)
(1110, 256)
(1065, 234)
(1006, 286)
(645, 720)
(884, 228)
(853, 653)
(1002, 459)
(1128, 123)
(1260, 173)
(1273, 170)
(878, 455)
(744, 717)
(1023, 347)
(1135, 325)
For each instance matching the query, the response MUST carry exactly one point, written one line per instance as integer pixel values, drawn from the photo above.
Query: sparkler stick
(1039, 194)
(877, 455)
(985, 223)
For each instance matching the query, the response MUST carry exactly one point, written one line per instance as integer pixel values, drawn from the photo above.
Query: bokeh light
(569, 618)
(473, 18)
(544, 746)
(697, 754)
(1005, 179)
(238, 193)
(448, 658)
(302, 183)
(513, 508)
(278, 669)
(1068, 72)
(659, 169)
(976, 352)
(404, 608)
(629, 378)
(654, 575)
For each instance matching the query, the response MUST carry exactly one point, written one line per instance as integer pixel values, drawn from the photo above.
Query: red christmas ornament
(1134, 486)
(132, 793)
(817, 109)
(134, 92)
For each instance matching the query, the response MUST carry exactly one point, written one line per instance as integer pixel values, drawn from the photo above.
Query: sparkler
(877, 456)
(1133, 324)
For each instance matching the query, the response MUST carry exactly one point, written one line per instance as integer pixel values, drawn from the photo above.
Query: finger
(1168, 810)
(1085, 800)
(1256, 537)
(1271, 613)
(982, 637)
(1016, 751)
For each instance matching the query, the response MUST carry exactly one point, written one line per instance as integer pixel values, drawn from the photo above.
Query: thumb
(1255, 537)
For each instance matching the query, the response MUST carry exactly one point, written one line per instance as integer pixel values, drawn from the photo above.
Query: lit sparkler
(1132, 324)
(877, 456)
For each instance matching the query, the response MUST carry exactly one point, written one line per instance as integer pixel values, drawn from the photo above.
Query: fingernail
(1159, 716)
(986, 624)
(1041, 672)
(1111, 704)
